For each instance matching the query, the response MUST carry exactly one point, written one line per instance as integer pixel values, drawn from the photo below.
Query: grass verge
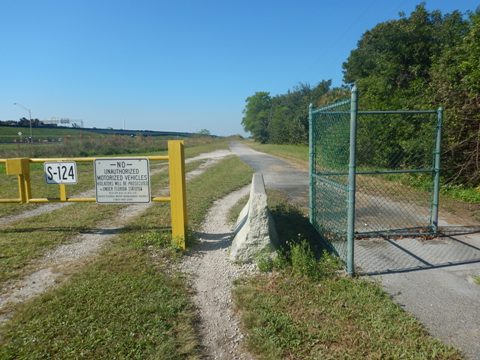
(235, 210)
(232, 174)
(130, 302)
(297, 153)
(307, 309)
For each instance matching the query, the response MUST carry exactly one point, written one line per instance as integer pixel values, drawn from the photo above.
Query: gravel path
(57, 264)
(212, 275)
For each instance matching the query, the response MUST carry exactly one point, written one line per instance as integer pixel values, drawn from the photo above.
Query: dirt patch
(212, 276)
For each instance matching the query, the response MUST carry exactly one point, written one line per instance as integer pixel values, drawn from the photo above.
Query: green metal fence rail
(362, 167)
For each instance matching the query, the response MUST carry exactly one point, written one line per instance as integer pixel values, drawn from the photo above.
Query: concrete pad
(444, 300)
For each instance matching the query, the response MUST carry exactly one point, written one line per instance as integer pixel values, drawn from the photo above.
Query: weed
(295, 317)
(305, 263)
(235, 210)
(265, 263)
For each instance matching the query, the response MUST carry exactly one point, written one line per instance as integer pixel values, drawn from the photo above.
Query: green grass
(232, 174)
(294, 317)
(297, 153)
(235, 210)
(307, 309)
(130, 302)
(476, 279)
(195, 147)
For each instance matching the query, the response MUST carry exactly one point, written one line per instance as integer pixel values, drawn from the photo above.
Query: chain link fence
(329, 150)
(373, 173)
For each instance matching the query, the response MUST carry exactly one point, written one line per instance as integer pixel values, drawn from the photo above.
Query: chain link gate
(362, 166)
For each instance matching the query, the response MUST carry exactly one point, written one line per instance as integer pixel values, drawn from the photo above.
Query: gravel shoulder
(212, 275)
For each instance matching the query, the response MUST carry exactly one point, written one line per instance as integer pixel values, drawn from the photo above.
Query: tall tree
(257, 115)
(422, 61)
(456, 85)
(283, 118)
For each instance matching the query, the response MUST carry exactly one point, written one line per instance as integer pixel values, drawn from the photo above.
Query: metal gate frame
(352, 172)
(20, 167)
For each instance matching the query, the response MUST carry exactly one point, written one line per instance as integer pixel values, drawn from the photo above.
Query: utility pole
(29, 116)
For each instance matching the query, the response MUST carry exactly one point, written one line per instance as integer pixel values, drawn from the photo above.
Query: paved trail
(442, 296)
(277, 173)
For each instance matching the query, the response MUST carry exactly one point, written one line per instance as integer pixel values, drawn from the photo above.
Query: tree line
(24, 122)
(421, 61)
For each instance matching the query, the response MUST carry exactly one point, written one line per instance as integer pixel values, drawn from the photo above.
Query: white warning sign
(122, 181)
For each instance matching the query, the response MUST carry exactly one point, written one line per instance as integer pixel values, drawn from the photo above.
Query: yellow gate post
(21, 168)
(178, 199)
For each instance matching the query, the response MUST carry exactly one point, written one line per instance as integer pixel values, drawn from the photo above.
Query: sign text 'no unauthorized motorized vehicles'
(121, 181)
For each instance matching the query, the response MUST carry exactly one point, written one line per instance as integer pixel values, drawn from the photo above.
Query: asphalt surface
(430, 279)
(278, 174)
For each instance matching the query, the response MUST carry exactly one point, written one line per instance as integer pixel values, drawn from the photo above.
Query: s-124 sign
(60, 172)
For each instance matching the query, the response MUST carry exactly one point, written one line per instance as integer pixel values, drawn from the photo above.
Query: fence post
(311, 157)
(436, 171)
(351, 182)
(178, 200)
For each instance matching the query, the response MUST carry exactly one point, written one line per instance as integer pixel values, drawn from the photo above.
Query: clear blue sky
(175, 65)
